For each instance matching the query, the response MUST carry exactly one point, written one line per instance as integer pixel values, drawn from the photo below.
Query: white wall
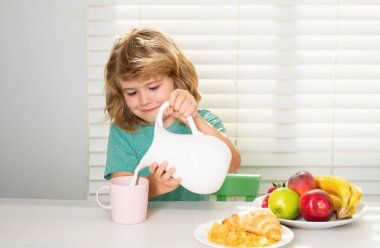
(43, 99)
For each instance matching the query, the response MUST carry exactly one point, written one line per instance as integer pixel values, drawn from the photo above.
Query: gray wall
(43, 99)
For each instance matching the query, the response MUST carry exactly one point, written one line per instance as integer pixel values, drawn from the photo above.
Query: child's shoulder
(211, 118)
(205, 113)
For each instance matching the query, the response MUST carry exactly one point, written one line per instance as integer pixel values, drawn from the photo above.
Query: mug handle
(98, 200)
(190, 120)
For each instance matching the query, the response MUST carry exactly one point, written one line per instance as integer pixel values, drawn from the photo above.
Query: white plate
(302, 223)
(200, 234)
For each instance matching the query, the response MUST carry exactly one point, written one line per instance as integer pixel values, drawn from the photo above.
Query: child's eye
(154, 88)
(131, 93)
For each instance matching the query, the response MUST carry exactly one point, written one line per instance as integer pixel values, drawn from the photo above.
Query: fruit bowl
(361, 210)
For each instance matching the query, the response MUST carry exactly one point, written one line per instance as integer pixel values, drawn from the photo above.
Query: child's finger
(174, 183)
(186, 104)
(173, 98)
(176, 115)
(160, 170)
(190, 110)
(170, 110)
(168, 175)
(176, 98)
(168, 113)
(153, 168)
(178, 102)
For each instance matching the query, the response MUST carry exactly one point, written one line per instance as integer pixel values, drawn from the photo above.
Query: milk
(135, 175)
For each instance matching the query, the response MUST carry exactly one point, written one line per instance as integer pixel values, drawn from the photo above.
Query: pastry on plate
(255, 228)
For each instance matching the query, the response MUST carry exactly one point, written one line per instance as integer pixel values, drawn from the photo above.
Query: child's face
(144, 96)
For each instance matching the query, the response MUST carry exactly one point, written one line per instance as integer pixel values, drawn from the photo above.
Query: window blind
(296, 82)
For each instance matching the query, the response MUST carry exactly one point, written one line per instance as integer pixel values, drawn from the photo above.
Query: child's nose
(144, 99)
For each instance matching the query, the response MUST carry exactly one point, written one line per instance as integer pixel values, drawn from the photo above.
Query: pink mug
(128, 203)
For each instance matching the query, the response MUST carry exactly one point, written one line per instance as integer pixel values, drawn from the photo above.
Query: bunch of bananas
(344, 195)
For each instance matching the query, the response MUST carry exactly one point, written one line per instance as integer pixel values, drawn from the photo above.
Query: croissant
(262, 222)
(256, 228)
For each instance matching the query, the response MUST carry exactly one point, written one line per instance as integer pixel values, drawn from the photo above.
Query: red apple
(316, 205)
(302, 182)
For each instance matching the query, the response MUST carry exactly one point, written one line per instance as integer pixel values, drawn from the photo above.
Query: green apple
(283, 202)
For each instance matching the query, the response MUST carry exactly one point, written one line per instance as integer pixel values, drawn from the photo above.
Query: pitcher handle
(190, 120)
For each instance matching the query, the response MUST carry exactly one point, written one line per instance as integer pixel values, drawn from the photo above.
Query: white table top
(63, 223)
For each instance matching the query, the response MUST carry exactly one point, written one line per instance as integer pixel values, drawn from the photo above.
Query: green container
(239, 185)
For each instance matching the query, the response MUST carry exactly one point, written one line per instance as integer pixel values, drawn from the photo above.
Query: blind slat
(257, 42)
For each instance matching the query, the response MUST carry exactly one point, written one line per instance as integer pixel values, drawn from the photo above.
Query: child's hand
(165, 177)
(181, 105)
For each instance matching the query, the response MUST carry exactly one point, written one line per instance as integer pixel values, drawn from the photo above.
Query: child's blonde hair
(144, 52)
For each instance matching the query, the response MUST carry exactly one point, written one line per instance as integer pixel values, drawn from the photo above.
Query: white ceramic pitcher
(202, 161)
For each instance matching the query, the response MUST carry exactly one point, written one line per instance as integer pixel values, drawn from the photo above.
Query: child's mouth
(148, 110)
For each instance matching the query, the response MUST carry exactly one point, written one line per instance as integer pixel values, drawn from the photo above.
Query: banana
(345, 195)
(337, 202)
(335, 185)
(345, 213)
(356, 196)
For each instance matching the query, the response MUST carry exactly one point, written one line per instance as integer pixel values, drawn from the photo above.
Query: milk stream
(135, 175)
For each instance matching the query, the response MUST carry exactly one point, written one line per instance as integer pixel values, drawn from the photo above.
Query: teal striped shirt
(125, 150)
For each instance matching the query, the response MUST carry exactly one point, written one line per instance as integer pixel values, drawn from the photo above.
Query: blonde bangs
(144, 68)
